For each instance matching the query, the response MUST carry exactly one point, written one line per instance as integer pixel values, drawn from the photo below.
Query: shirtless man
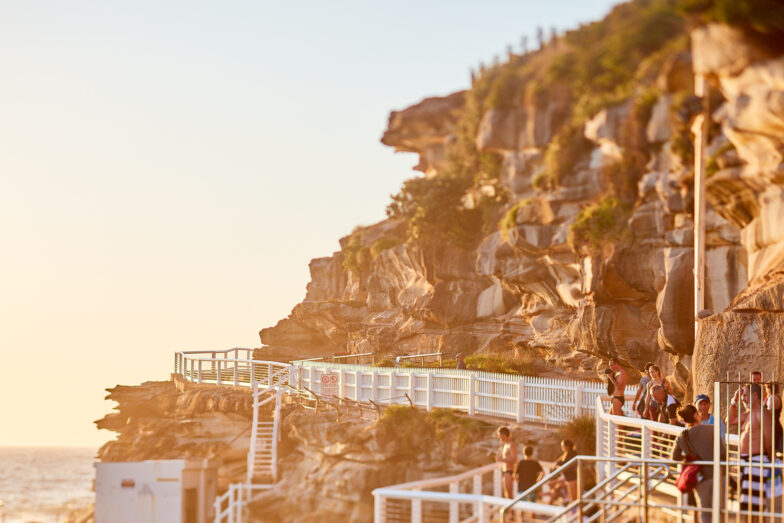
(618, 379)
(751, 421)
(753, 448)
(507, 457)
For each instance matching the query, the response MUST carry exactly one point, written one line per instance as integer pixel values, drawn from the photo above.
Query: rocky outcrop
(527, 287)
(329, 460)
(749, 193)
(425, 128)
(335, 464)
(173, 420)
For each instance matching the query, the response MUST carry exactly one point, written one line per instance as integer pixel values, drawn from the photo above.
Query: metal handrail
(422, 356)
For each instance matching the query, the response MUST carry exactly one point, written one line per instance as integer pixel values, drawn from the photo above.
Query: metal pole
(716, 505)
(644, 490)
(700, 129)
(580, 492)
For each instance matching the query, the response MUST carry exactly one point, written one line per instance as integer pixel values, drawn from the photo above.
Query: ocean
(43, 484)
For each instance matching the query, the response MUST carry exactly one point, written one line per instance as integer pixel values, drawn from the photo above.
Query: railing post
(219, 369)
(645, 490)
(497, 491)
(412, 386)
(269, 375)
(379, 509)
(342, 384)
(454, 507)
(252, 373)
(520, 399)
(429, 391)
(357, 385)
(416, 510)
(580, 492)
(717, 481)
(200, 370)
(374, 389)
(231, 500)
(236, 373)
(471, 393)
(578, 400)
(645, 449)
(612, 438)
(477, 489)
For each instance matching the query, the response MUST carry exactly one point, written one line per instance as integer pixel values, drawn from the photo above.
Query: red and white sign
(330, 385)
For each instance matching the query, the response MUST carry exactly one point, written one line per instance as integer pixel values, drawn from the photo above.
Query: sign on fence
(329, 385)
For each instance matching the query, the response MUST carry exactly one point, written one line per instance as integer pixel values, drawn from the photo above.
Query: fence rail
(522, 398)
(550, 401)
(229, 367)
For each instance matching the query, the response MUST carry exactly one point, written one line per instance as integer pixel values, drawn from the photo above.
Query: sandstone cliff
(329, 464)
(555, 215)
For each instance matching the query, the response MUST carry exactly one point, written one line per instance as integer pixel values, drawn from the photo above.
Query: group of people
(528, 471)
(755, 410)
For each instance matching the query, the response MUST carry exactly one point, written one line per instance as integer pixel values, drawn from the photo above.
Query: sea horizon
(44, 484)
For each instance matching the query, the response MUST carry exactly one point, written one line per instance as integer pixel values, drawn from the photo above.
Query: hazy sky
(168, 169)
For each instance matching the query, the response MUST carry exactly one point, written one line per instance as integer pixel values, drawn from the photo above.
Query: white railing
(550, 401)
(230, 506)
(522, 398)
(235, 367)
(620, 438)
(473, 495)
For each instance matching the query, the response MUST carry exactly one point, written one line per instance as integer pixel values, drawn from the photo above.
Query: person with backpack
(695, 443)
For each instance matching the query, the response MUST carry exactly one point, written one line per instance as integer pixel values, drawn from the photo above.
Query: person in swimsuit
(618, 379)
(507, 458)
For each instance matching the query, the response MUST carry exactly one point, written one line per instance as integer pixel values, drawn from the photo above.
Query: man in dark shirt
(528, 473)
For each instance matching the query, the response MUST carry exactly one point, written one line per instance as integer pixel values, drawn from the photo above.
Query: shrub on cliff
(598, 224)
(564, 153)
(509, 220)
(356, 257)
(528, 364)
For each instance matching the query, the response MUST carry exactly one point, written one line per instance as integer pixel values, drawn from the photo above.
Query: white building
(162, 491)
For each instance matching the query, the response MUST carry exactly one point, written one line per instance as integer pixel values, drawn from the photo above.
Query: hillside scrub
(598, 224)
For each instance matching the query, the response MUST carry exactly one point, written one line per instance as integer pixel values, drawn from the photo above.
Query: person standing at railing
(569, 474)
(703, 404)
(507, 458)
(528, 473)
(461, 364)
(696, 444)
(667, 405)
(657, 378)
(641, 398)
(617, 377)
(756, 444)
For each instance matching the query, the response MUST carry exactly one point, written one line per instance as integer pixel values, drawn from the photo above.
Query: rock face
(526, 287)
(750, 195)
(334, 465)
(168, 420)
(328, 465)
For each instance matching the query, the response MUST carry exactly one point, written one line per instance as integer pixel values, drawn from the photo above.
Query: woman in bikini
(507, 457)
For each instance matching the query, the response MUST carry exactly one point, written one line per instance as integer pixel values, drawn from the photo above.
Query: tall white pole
(700, 129)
